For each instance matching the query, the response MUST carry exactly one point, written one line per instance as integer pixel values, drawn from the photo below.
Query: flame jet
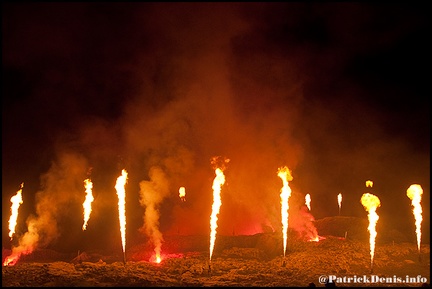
(340, 202)
(88, 185)
(121, 193)
(285, 174)
(16, 201)
(219, 180)
(414, 192)
(308, 201)
(371, 202)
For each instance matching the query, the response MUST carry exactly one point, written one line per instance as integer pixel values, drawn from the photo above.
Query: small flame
(308, 201)
(16, 201)
(158, 259)
(120, 187)
(369, 184)
(11, 260)
(88, 185)
(285, 174)
(182, 194)
(415, 192)
(371, 202)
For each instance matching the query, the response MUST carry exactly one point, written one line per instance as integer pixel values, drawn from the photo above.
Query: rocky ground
(247, 261)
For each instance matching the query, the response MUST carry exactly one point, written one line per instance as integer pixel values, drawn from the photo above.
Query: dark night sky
(335, 91)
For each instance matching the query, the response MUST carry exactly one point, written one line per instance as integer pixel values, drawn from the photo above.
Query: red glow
(11, 260)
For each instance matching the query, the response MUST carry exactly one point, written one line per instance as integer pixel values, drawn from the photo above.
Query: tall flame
(308, 201)
(120, 188)
(88, 185)
(371, 202)
(218, 181)
(16, 201)
(182, 193)
(340, 201)
(414, 192)
(285, 174)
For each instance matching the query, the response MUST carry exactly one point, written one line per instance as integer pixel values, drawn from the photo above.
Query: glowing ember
(218, 181)
(308, 201)
(369, 184)
(415, 192)
(182, 194)
(371, 202)
(120, 187)
(285, 174)
(16, 201)
(340, 201)
(88, 200)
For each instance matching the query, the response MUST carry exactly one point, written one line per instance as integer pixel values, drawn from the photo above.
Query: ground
(247, 261)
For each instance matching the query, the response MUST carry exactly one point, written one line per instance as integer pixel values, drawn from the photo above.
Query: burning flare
(285, 174)
(308, 201)
(414, 192)
(88, 185)
(371, 202)
(120, 188)
(182, 194)
(218, 181)
(340, 201)
(16, 201)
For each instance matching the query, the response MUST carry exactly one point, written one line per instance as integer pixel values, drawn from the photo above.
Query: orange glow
(285, 174)
(120, 188)
(415, 192)
(369, 184)
(88, 200)
(158, 259)
(308, 201)
(218, 181)
(182, 194)
(16, 201)
(371, 202)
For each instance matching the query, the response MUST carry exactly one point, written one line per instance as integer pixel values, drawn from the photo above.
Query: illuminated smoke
(285, 174)
(16, 201)
(121, 193)
(152, 193)
(61, 184)
(88, 185)
(415, 192)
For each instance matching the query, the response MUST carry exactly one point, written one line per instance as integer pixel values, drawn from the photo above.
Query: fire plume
(340, 201)
(308, 201)
(371, 202)
(218, 182)
(285, 174)
(182, 194)
(120, 188)
(414, 192)
(88, 185)
(16, 201)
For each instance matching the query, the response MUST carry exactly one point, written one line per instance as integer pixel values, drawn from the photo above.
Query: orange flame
(120, 187)
(369, 183)
(182, 193)
(340, 201)
(308, 201)
(16, 201)
(285, 174)
(88, 200)
(218, 181)
(414, 192)
(371, 202)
